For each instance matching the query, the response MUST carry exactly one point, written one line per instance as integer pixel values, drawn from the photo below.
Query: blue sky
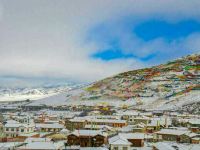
(85, 41)
(153, 29)
(146, 31)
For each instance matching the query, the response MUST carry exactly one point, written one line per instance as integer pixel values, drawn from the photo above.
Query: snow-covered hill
(20, 94)
(167, 86)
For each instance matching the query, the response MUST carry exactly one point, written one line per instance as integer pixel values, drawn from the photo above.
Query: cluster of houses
(93, 130)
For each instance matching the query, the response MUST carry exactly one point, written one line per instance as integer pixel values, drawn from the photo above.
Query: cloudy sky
(86, 40)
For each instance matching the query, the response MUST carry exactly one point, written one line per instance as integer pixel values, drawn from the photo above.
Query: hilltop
(171, 85)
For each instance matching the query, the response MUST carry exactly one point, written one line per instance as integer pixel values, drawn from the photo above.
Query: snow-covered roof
(118, 140)
(190, 134)
(89, 126)
(12, 121)
(172, 132)
(43, 145)
(173, 146)
(64, 131)
(106, 120)
(130, 113)
(29, 140)
(132, 135)
(54, 125)
(9, 145)
(77, 120)
(93, 148)
(194, 121)
(89, 133)
(126, 128)
(161, 121)
(15, 124)
(28, 134)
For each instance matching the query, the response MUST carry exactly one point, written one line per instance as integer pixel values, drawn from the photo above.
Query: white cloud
(47, 38)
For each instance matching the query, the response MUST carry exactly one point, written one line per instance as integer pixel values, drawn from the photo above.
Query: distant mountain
(166, 86)
(32, 93)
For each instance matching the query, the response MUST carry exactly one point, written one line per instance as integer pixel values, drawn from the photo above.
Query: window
(125, 148)
(22, 130)
(7, 129)
(12, 129)
(115, 148)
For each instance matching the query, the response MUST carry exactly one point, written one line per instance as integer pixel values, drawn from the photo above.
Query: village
(100, 127)
(100, 75)
(148, 109)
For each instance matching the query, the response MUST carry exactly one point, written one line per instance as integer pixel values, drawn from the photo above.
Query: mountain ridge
(165, 86)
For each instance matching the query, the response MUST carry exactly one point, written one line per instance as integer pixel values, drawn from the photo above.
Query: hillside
(176, 83)
(174, 78)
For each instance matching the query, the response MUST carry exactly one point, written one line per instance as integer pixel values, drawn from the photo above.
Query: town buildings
(124, 130)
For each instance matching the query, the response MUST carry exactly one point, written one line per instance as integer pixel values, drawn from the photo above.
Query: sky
(43, 41)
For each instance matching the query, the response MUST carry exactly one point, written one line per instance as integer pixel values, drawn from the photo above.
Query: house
(139, 128)
(187, 137)
(125, 141)
(195, 140)
(194, 123)
(13, 128)
(55, 127)
(170, 134)
(158, 123)
(129, 115)
(75, 123)
(87, 138)
(195, 129)
(119, 143)
(144, 120)
(108, 122)
(136, 139)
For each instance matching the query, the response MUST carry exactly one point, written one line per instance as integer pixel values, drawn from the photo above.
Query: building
(194, 123)
(98, 127)
(136, 139)
(187, 137)
(119, 143)
(108, 122)
(144, 120)
(195, 140)
(54, 127)
(124, 141)
(13, 128)
(170, 134)
(87, 138)
(75, 123)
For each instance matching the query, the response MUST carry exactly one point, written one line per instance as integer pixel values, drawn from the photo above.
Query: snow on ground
(21, 94)
(179, 101)
(23, 97)
(72, 98)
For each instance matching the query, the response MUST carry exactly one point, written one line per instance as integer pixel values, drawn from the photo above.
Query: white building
(119, 143)
(13, 128)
